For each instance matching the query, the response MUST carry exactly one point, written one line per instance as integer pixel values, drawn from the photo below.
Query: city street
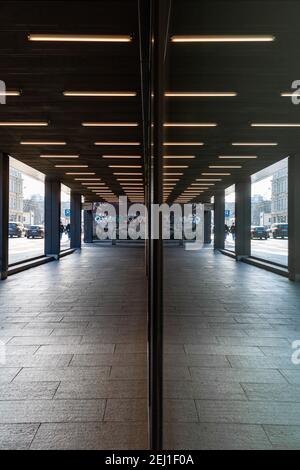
(275, 250)
(21, 249)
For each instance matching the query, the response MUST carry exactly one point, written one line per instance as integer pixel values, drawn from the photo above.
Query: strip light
(236, 157)
(79, 38)
(110, 124)
(24, 124)
(137, 157)
(275, 125)
(28, 142)
(200, 94)
(118, 143)
(190, 124)
(224, 38)
(10, 93)
(100, 93)
(182, 144)
(255, 144)
(59, 156)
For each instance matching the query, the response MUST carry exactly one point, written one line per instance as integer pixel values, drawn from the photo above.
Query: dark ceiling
(257, 72)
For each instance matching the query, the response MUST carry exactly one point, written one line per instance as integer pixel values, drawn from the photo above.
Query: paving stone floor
(229, 379)
(74, 336)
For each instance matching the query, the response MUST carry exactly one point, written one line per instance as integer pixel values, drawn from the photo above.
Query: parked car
(259, 232)
(280, 230)
(36, 231)
(16, 229)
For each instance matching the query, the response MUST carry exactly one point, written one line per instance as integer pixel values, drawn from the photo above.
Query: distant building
(279, 212)
(35, 206)
(15, 195)
(259, 207)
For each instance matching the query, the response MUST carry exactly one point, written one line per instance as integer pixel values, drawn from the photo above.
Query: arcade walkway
(75, 372)
(229, 379)
(75, 341)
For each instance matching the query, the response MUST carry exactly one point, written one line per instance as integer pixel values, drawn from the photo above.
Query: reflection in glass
(65, 218)
(229, 226)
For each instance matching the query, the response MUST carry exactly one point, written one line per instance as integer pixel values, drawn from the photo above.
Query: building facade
(279, 213)
(15, 195)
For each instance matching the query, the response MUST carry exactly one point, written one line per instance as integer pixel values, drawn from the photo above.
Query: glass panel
(229, 228)
(26, 212)
(269, 213)
(65, 213)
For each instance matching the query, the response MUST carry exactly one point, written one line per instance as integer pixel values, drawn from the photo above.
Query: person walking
(233, 231)
(226, 231)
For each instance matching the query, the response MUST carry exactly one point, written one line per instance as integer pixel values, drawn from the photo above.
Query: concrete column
(52, 217)
(75, 220)
(243, 218)
(207, 227)
(219, 216)
(294, 217)
(88, 226)
(4, 208)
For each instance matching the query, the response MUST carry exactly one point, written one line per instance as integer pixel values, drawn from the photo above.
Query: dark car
(280, 230)
(259, 232)
(35, 231)
(15, 229)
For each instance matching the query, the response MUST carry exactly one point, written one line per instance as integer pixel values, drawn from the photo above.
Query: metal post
(294, 217)
(219, 215)
(52, 217)
(75, 220)
(4, 216)
(243, 218)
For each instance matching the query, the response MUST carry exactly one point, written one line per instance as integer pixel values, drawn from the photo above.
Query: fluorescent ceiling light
(89, 184)
(125, 166)
(110, 124)
(71, 166)
(100, 93)
(203, 184)
(24, 124)
(255, 144)
(129, 179)
(216, 174)
(83, 174)
(225, 166)
(79, 38)
(183, 144)
(224, 38)
(122, 156)
(200, 94)
(24, 142)
(190, 124)
(175, 166)
(171, 179)
(208, 179)
(129, 174)
(135, 144)
(87, 179)
(10, 93)
(236, 157)
(59, 156)
(173, 174)
(275, 125)
(185, 157)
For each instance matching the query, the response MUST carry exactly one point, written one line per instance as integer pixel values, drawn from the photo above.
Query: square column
(243, 218)
(219, 216)
(52, 217)
(88, 226)
(294, 217)
(4, 209)
(75, 220)
(207, 227)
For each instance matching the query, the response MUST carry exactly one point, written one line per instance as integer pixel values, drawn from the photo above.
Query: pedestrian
(68, 231)
(233, 231)
(61, 230)
(226, 231)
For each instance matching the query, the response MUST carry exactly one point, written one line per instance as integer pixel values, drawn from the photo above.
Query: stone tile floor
(74, 336)
(229, 379)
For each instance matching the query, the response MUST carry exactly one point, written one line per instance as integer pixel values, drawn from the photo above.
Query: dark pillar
(52, 217)
(75, 220)
(207, 227)
(243, 218)
(88, 226)
(219, 222)
(294, 217)
(4, 198)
